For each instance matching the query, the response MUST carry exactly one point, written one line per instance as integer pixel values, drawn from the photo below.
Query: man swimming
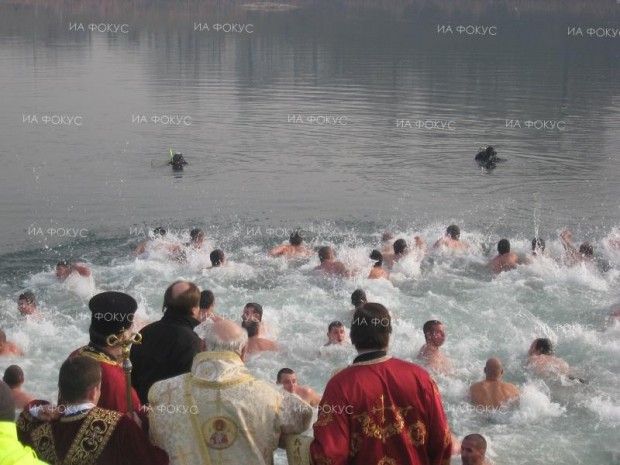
(288, 380)
(585, 254)
(505, 259)
(493, 393)
(329, 264)
(293, 248)
(8, 348)
(430, 353)
(377, 271)
(218, 258)
(27, 303)
(65, 269)
(542, 360)
(335, 334)
(473, 450)
(451, 239)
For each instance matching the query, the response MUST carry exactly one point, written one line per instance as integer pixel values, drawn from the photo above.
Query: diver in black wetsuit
(177, 162)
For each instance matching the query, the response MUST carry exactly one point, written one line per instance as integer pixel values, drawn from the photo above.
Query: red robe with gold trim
(98, 437)
(383, 411)
(113, 391)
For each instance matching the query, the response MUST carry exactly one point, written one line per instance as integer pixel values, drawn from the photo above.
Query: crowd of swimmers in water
(489, 395)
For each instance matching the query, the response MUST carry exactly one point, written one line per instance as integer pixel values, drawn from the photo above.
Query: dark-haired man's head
(63, 269)
(503, 246)
(358, 297)
(13, 376)
(473, 449)
(296, 238)
(371, 327)
(217, 258)
(252, 313)
(377, 257)
(586, 249)
(27, 303)
(538, 244)
(400, 245)
(326, 253)
(79, 380)
(541, 346)
(159, 232)
(434, 333)
(335, 333)
(453, 231)
(207, 299)
(207, 304)
(182, 298)
(288, 379)
(196, 237)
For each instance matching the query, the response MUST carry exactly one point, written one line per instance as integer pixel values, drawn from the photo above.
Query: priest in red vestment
(86, 434)
(112, 314)
(380, 410)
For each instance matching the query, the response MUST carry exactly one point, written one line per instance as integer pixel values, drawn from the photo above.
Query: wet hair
(478, 440)
(196, 234)
(217, 257)
(159, 231)
(453, 231)
(334, 324)
(538, 243)
(183, 303)
(371, 327)
(62, 263)
(284, 371)
(586, 249)
(399, 246)
(252, 328)
(28, 296)
(429, 326)
(503, 246)
(77, 375)
(207, 298)
(13, 376)
(256, 308)
(377, 256)
(544, 346)
(296, 238)
(358, 297)
(324, 253)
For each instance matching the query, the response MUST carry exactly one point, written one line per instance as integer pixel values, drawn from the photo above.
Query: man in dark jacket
(170, 344)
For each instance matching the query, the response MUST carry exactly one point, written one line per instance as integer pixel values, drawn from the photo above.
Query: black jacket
(167, 350)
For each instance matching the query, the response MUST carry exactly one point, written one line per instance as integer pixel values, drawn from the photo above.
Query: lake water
(346, 122)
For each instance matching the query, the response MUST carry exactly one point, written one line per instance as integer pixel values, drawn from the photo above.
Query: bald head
(182, 298)
(494, 368)
(226, 336)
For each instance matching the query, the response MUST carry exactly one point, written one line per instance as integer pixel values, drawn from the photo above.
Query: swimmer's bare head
(503, 246)
(296, 238)
(541, 346)
(326, 253)
(63, 269)
(358, 297)
(453, 231)
(400, 246)
(217, 258)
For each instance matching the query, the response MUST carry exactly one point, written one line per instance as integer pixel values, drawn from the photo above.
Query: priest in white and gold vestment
(219, 414)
